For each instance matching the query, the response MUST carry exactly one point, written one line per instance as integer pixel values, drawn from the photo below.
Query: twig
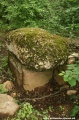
(46, 96)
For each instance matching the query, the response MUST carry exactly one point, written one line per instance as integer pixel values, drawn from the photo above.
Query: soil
(52, 94)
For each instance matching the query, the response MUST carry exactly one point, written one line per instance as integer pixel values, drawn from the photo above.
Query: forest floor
(61, 103)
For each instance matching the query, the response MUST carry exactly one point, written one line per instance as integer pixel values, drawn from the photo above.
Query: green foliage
(71, 75)
(4, 62)
(4, 68)
(2, 89)
(45, 14)
(29, 13)
(66, 23)
(75, 111)
(61, 108)
(27, 112)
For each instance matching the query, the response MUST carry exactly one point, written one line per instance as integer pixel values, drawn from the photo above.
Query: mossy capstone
(37, 48)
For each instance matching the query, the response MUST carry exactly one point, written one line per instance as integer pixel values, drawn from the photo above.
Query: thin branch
(43, 97)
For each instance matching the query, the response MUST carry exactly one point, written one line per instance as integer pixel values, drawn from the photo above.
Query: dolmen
(33, 52)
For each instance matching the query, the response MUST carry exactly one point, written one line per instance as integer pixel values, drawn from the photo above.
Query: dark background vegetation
(56, 16)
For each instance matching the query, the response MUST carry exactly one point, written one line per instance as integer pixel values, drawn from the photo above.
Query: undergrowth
(27, 112)
(71, 75)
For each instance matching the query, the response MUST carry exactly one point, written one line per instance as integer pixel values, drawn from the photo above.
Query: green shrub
(4, 62)
(27, 112)
(44, 14)
(75, 111)
(66, 22)
(26, 13)
(71, 75)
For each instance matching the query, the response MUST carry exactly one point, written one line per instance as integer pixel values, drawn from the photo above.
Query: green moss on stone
(37, 48)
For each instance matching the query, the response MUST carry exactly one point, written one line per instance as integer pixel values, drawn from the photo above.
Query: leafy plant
(71, 75)
(27, 112)
(2, 89)
(61, 108)
(75, 111)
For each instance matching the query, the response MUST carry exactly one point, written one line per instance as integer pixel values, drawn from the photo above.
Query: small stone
(75, 55)
(34, 100)
(13, 94)
(71, 92)
(8, 85)
(7, 105)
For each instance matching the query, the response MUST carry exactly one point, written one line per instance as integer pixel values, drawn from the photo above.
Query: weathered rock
(7, 105)
(71, 92)
(8, 85)
(72, 58)
(36, 48)
(33, 51)
(74, 55)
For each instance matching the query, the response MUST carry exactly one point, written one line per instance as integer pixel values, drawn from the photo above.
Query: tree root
(43, 97)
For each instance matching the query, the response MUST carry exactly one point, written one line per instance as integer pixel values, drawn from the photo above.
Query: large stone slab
(36, 48)
(33, 79)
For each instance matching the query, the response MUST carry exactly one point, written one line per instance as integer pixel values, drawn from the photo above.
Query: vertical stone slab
(33, 79)
(16, 68)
